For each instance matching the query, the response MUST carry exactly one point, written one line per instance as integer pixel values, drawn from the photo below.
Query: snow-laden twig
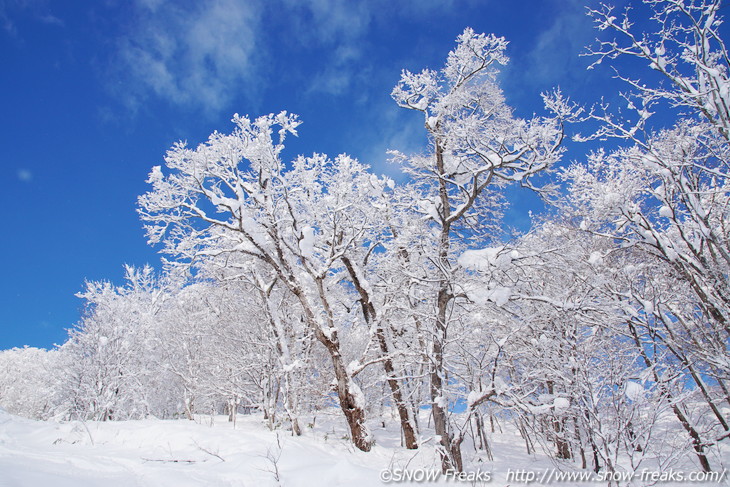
(209, 452)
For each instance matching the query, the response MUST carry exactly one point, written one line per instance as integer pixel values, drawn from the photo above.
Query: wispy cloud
(193, 55)
(24, 175)
(329, 21)
(551, 57)
(203, 53)
(38, 10)
(555, 54)
(340, 27)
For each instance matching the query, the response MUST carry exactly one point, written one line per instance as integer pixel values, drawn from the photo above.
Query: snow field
(209, 451)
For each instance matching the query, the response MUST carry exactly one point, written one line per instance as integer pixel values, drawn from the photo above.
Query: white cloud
(197, 56)
(25, 175)
(339, 26)
(555, 57)
(203, 55)
(330, 21)
(37, 10)
(342, 26)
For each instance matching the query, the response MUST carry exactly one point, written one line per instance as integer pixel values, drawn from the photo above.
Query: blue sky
(94, 92)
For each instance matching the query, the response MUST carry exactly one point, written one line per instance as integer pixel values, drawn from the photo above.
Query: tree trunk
(370, 314)
(269, 401)
(232, 409)
(350, 396)
(291, 408)
(563, 447)
(579, 442)
(407, 427)
(523, 432)
(697, 443)
(189, 406)
(482, 435)
(449, 450)
(561, 444)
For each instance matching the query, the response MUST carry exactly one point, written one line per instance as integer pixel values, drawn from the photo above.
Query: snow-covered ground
(211, 452)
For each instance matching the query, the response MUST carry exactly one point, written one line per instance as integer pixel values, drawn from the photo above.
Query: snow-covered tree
(665, 194)
(109, 355)
(234, 195)
(30, 382)
(477, 148)
(296, 285)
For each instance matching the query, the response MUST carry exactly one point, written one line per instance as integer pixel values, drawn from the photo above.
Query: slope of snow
(210, 451)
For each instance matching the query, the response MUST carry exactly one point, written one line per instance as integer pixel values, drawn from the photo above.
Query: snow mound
(486, 259)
